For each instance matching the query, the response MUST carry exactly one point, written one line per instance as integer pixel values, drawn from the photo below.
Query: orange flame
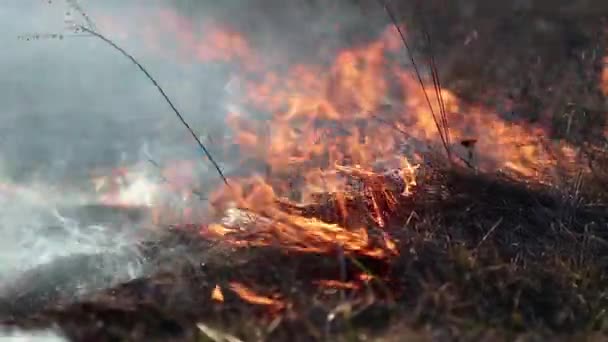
(338, 285)
(261, 222)
(252, 297)
(356, 129)
(604, 77)
(217, 294)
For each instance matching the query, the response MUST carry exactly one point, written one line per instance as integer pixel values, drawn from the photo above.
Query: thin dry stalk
(164, 95)
(90, 28)
(441, 128)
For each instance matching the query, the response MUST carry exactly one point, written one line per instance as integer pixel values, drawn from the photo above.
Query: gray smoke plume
(72, 106)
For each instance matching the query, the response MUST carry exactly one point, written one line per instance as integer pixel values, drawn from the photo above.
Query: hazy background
(73, 104)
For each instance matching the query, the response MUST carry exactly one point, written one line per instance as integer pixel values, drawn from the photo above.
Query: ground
(495, 259)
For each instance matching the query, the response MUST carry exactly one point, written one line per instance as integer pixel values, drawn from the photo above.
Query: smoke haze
(74, 106)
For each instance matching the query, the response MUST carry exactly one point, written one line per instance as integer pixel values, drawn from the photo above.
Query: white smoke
(74, 105)
(14, 335)
(34, 232)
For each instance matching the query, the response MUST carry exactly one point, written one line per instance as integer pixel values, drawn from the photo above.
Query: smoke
(11, 335)
(36, 232)
(69, 107)
(74, 106)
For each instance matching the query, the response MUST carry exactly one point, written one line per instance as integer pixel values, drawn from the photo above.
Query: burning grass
(344, 221)
(485, 257)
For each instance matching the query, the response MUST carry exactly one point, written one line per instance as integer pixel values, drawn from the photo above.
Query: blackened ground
(487, 259)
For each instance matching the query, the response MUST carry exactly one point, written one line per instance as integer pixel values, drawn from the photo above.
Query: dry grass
(482, 257)
(495, 259)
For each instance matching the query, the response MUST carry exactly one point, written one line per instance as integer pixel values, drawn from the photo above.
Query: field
(495, 226)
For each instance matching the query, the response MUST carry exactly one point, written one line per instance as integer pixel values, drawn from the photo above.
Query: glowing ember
(250, 296)
(604, 77)
(338, 285)
(217, 294)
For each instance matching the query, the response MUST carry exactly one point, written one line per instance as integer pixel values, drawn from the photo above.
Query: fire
(338, 285)
(364, 109)
(124, 187)
(604, 77)
(252, 297)
(248, 295)
(360, 124)
(328, 126)
(338, 151)
(169, 193)
(217, 294)
(318, 122)
(604, 87)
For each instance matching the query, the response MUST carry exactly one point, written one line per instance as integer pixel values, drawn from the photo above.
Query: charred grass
(482, 257)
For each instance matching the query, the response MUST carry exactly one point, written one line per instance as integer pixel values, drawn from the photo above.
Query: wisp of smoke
(12, 335)
(39, 240)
